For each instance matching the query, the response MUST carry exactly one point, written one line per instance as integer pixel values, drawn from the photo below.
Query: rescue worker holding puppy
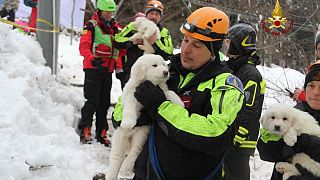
(272, 147)
(163, 46)
(190, 142)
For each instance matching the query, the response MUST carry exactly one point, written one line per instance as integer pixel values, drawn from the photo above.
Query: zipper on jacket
(221, 101)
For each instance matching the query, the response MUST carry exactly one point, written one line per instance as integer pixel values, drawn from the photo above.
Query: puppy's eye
(155, 65)
(272, 117)
(284, 118)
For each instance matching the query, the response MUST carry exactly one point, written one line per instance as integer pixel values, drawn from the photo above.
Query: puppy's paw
(282, 167)
(174, 98)
(146, 48)
(286, 176)
(128, 124)
(290, 141)
(126, 173)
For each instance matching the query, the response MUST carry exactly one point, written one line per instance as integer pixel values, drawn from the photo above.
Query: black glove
(97, 62)
(302, 170)
(302, 143)
(150, 96)
(144, 119)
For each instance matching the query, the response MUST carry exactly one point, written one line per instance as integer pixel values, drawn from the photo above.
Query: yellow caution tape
(54, 28)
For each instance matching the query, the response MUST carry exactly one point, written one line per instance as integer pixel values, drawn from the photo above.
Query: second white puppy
(128, 139)
(146, 28)
(289, 123)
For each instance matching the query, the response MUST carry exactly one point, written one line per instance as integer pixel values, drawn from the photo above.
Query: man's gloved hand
(144, 119)
(150, 96)
(119, 73)
(97, 62)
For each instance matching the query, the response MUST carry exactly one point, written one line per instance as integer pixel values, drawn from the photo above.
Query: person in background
(100, 56)
(241, 50)
(272, 147)
(123, 52)
(299, 94)
(190, 142)
(33, 17)
(9, 9)
(163, 46)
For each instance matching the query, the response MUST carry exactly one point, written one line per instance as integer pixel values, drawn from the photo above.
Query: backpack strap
(91, 26)
(153, 155)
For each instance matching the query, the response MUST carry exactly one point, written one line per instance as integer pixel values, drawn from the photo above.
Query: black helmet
(242, 39)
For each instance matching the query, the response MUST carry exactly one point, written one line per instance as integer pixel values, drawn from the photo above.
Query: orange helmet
(154, 6)
(317, 63)
(206, 24)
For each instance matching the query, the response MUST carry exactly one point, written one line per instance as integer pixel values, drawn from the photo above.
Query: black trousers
(97, 88)
(236, 165)
(11, 14)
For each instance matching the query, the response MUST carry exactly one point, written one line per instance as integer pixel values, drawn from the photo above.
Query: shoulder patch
(234, 81)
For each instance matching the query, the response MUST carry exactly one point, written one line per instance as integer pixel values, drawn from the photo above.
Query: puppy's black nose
(165, 73)
(277, 128)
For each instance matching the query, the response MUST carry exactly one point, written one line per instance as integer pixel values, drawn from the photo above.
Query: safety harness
(155, 162)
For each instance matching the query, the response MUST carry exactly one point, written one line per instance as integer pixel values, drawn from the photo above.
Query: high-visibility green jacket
(191, 141)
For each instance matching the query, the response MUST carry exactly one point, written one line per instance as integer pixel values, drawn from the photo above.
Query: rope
(54, 29)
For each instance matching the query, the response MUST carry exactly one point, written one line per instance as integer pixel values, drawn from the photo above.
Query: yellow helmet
(206, 24)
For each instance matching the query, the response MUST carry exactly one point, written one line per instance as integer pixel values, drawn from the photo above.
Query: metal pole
(48, 19)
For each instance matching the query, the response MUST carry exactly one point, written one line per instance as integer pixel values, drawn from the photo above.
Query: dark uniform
(244, 67)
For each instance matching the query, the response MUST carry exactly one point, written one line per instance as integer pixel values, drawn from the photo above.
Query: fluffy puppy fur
(128, 139)
(289, 123)
(146, 28)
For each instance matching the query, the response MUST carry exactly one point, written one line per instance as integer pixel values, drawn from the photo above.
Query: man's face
(194, 53)
(154, 16)
(318, 51)
(313, 94)
(225, 46)
(107, 15)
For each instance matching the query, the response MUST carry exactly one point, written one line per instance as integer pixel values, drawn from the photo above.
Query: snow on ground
(39, 112)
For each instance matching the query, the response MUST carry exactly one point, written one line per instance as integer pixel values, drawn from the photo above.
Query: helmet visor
(191, 28)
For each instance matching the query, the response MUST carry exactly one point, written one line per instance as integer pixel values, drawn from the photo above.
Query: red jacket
(86, 44)
(33, 17)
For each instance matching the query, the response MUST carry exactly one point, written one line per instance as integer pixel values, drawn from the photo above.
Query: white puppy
(289, 123)
(146, 28)
(128, 139)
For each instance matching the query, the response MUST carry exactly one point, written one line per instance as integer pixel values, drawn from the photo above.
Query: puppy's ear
(262, 119)
(138, 70)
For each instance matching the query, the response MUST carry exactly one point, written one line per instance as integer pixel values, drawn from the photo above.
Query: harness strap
(153, 155)
(155, 163)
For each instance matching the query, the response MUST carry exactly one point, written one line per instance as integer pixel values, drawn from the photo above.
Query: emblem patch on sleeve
(234, 81)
